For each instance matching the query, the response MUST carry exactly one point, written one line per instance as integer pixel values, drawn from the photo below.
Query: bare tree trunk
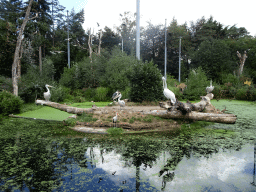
(40, 59)
(100, 36)
(242, 61)
(17, 51)
(90, 46)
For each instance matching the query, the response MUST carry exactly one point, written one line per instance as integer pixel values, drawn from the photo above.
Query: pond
(199, 157)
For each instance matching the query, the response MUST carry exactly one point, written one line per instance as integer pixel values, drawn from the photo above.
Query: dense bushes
(60, 94)
(196, 84)
(9, 103)
(5, 83)
(146, 82)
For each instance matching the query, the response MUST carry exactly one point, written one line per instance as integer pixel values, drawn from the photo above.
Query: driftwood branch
(194, 111)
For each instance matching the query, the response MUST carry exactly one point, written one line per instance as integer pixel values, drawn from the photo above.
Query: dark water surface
(219, 157)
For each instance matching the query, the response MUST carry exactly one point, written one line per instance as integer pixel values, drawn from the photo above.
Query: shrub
(60, 93)
(30, 92)
(241, 93)
(5, 83)
(101, 94)
(126, 93)
(89, 93)
(230, 78)
(71, 122)
(146, 82)
(115, 131)
(251, 93)
(196, 85)
(116, 71)
(217, 92)
(9, 103)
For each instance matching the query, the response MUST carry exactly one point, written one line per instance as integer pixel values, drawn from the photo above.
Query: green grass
(85, 117)
(115, 131)
(89, 104)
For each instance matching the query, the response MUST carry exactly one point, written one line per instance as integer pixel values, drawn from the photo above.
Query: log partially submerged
(193, 111)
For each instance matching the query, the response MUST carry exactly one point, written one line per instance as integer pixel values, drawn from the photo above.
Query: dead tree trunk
(100, 36)
(17, 51)
(201, 111)
(242, 61)
(90, 45)
(40, 59)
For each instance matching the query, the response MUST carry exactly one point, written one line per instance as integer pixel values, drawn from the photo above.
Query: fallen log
(66, 108)
(194, 111)
(198, 116)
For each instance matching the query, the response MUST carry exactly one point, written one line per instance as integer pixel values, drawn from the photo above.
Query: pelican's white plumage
(168, 93)
(118, 95)
(121, 102)
(47, 95)
(210, 89)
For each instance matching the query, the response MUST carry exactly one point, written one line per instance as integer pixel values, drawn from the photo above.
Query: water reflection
(210, 160)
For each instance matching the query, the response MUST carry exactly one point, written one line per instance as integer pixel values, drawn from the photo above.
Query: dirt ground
(130, 118)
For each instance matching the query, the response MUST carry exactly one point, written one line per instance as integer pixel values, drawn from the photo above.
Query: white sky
(106, 12)
(223, 170)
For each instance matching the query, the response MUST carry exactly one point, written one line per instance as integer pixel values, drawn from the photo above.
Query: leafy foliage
(9, 103)
(196, 85)
(146, 82)
(60, 94)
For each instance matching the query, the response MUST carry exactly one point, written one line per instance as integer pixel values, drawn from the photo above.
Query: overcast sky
(106, 12)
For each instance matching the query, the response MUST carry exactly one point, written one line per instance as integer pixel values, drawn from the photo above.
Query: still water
(218, 157)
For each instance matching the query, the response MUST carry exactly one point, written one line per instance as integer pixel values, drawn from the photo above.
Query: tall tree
(11, 13)
(152, 38)
(127, 31)
(17, 50)
(109, 39)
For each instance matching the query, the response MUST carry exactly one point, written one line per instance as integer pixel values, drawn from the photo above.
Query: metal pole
(165, 52)
(138, 30)
(68, 44)
(179, 58)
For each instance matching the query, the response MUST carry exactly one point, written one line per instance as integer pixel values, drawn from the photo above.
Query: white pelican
(115, 119)
(210, 89)
(168, 93)
(118, 95)
(47, 95)
(114, 96)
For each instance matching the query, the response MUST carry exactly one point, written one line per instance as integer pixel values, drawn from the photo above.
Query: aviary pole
(138, 30)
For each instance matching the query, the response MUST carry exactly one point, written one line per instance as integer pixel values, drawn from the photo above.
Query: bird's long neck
(119, 97)
(48, 90)
(164, 84)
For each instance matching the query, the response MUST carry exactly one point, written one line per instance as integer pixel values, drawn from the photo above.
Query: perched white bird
(210, 89)
(115, 119)
(168, 93)
(114, 96)
(121, 102)
(47, 95)
(118, 95)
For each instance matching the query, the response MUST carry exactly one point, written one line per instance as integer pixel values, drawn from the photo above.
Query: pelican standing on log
(168, 93)
(47, 95)
(210, 89)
